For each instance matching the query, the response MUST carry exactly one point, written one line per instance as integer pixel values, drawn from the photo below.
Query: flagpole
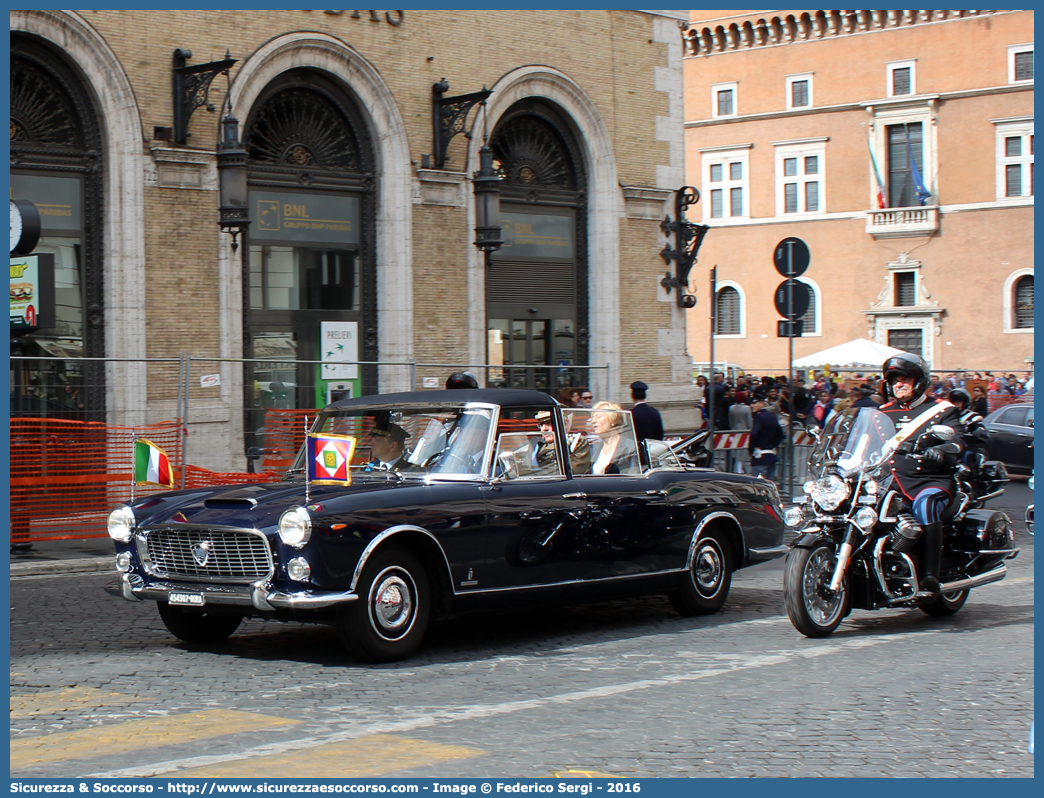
(308, 497)
(134, 460)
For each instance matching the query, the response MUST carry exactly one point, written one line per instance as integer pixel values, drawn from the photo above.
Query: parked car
(494, 505)
(1010, 439)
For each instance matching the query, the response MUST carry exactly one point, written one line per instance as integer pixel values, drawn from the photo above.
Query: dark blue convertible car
(404, 507)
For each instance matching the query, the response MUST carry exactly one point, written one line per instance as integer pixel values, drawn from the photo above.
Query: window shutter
(727, 317)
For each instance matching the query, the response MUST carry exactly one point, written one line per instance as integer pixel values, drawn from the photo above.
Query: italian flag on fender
(151, 465)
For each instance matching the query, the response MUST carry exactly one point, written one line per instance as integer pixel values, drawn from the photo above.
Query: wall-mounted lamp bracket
(688, 237)
(191, 86)
(450, 116)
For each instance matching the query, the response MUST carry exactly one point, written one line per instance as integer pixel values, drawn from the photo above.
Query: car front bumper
(259, 595)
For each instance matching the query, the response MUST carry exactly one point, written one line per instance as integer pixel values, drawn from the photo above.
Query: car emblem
(201, 553)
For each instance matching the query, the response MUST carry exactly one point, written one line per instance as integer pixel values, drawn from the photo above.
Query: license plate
(187, 599)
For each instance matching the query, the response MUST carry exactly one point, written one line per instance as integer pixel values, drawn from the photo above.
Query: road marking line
(374, 755)
(726, 666)
(135, 735)
(579, 773)
(76, 699)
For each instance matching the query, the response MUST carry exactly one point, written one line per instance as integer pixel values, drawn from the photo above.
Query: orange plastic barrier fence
(284, 436)
(67, 475)
(993, 401)
(196, 477)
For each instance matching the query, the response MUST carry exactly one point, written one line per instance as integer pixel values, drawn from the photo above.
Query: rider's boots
(933, 538)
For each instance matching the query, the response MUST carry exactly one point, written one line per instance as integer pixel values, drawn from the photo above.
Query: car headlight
(121, 523)
(793, 516)
(829, 492)
(295, 527)
(865, 518)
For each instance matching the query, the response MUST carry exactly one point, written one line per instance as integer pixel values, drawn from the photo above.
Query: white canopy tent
(858, 354)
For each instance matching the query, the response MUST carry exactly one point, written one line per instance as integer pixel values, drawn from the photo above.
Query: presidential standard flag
(328, 458)
(151, 465)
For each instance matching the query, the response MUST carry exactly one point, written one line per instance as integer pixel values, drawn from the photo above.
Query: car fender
(387, 534)
(702, 529)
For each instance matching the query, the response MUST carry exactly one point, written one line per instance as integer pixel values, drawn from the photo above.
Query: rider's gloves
(934, 455)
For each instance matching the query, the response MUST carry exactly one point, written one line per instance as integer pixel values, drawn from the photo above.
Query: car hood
(254, 506)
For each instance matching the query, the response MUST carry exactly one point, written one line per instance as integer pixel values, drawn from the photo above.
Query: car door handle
(532, 515)
(1023, 434)
(661, 492)
(574, 495)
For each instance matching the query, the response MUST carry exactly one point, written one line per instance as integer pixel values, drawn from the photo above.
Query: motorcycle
(693, 449)
(851, 550)
(1029, 511)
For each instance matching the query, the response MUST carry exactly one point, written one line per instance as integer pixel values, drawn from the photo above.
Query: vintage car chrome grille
(206, 554)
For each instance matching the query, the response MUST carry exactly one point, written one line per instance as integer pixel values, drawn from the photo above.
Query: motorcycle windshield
(851, 440)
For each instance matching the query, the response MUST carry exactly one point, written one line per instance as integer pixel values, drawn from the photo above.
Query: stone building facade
(795, 121)
(356, 231)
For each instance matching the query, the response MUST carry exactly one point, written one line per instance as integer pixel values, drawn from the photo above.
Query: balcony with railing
(903, 222)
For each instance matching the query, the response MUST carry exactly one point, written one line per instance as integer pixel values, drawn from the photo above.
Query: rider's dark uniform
(913, 477)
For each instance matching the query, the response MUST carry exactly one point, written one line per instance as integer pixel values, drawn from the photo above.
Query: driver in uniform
(926, 480)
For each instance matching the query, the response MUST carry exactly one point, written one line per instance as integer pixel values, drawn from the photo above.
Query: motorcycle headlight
(793, 516)
(829, 492)
(865, 518)
(295, 527)
(121, 523)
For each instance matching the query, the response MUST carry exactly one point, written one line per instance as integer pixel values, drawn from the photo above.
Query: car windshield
(412, 442)
(850, 439)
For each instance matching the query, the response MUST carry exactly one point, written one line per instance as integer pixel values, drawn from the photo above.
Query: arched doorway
(56, 163)
(536, 288)
(309, 269)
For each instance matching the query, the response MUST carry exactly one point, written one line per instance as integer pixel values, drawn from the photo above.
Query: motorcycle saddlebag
(993, 471)
(984, 530)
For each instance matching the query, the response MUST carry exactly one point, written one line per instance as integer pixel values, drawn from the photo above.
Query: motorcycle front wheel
(814, 609)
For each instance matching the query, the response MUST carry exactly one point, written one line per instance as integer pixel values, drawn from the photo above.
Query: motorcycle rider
(971, 420)
(925, 479)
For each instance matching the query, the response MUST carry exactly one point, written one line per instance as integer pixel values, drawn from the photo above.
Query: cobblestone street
(624, 689)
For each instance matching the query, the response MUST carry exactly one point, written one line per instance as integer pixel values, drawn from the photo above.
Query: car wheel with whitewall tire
(197, 626)
(389, 619)
(708, 579)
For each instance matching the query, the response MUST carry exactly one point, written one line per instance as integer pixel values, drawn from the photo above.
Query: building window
(799, 91)
(901, 76)
(1017, 299)
(1023, 303)
(907, 340)
(1015, 159)
(725, 184)
(906, 186)
(813, 317)
(1020, 63)
(799, 177)
(723, 100)
(728, 311)
(905, 289)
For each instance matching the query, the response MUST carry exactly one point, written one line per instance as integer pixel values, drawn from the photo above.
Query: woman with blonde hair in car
(611, 453)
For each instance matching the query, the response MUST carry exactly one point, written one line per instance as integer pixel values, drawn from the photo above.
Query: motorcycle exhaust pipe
(995, 575)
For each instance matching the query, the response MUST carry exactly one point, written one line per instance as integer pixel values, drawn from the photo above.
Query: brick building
(783, 111)
(358, 228)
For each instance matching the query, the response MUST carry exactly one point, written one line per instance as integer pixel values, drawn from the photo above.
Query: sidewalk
(64, 556)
